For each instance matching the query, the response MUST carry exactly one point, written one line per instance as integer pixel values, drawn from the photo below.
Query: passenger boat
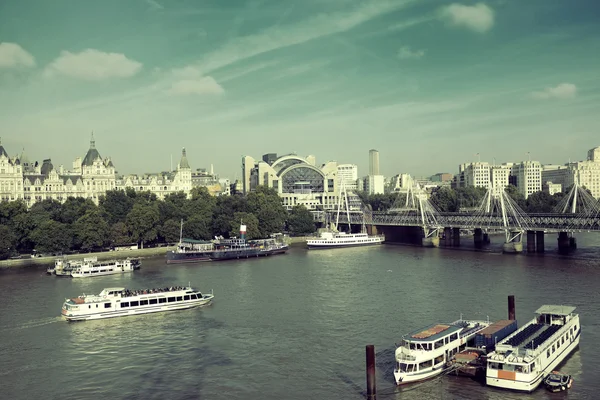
(328, 240)
(220, 249)
(525, 358)
(426, 353)
(92, 267)
(557, 382)
(64, 267)
(121, 302)
(332, 238)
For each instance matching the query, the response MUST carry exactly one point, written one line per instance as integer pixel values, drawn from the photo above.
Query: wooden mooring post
(511, 307)
(371, 386)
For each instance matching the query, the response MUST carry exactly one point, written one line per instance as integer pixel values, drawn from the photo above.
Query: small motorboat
(556, 381)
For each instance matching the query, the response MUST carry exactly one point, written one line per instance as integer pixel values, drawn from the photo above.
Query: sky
(428, 83)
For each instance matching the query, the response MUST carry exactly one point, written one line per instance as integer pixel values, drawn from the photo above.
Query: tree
(300, 221)
(119, 234)
(198, 227)
(251, 222)
(74, 208)
(265, 204)
(91, 231)
(7, 242)
(514, 194)
(173, 207)
(470, 196)
(10, 209)
(117, 204)
(142, 222)
(225, 208)
(52, 237)
(445, 199)
(540, 202)
(49, 207)
(169, 231)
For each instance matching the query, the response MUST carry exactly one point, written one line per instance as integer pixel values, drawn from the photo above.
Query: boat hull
(141, 310)
(341, 245)
(222, 255)
(404, 379)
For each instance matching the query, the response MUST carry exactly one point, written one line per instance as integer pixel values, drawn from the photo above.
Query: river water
(286, 327)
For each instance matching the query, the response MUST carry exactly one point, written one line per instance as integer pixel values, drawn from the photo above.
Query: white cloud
(93, 65)
(561, 91)
(13, 55)
(189, 80)
(478, 18)
(278, 37)
(406, 53)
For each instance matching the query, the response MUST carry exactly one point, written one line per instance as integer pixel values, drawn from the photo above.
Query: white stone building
(297, 180)
(347, 174)
(528, 177)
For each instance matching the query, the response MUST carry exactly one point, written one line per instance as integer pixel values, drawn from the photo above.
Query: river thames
(287, 327)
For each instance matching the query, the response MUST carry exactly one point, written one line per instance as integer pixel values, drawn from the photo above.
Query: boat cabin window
(143, 302)
(194, 297)
(453, 337)
(494, 365)
(153, 301)
(425, 364)
(179, 298)
(162, 300)
(106, 305)
(134, 303)
(439, 343)
(124, 304)
(171, 299)
(186, 297)
(403, 367)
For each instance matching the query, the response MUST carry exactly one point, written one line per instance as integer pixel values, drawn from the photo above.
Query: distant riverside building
(441, 177)
(163, 183)
(474, 174)
(586, 173)
(347, 174)
(298, 180)
(529, 177)
(374, 184)
(557, 174)
(551, 188)
(91, 177)
(373, 162)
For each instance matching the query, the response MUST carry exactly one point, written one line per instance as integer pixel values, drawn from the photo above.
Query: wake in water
(34, 323)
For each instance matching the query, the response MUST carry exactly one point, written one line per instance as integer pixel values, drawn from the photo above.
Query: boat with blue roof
(426, 352)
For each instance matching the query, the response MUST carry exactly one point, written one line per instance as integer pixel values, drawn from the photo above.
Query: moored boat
(525, 358)
(426, 353)
(557, 382)
(220, 249)
(91, 267)
(329, 240)
(121, 302)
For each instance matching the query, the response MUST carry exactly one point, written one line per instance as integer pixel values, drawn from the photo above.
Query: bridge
(418, 219)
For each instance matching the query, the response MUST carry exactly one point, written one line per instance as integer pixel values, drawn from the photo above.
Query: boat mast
(181, 232)
(337, 219)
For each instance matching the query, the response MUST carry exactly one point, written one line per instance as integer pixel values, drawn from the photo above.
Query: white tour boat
(426, 353)
(525, 358)
(92, 267)
(331, 238)
(121, 302)
(64, 267)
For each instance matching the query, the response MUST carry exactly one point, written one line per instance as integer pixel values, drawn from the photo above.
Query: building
(474, 174)
(557, 174)
(347, 175)
(373, 162)
(500, 176)
(586, 173)
(374, 184)
(441, 177)
(297, 180)
(551, 188)
(163, 183)
(11, 177)
(528, 176)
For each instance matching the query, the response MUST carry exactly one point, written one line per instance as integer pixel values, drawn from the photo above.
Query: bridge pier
(456, 237)
(430, 239)
(539, 238)
(514, 244)
(531, 248)
(478, 238)
(563, 243)
(486, 238)
(448, 237)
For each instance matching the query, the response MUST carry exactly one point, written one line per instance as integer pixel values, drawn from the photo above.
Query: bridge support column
(531, 242)
(563, 243)
(448, 237)
(478, 238)
(539, 239)
(486, 238)
(515, 245)
(572, 242)
(371, 229)
(456, 237)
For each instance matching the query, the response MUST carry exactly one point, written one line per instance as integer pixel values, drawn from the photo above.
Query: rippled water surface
(285, 327)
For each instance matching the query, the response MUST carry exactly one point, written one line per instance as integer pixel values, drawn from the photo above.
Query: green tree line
(126, 217)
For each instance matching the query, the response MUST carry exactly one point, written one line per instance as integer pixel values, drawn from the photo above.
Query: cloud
(189, 80)
(278, 37)
(93, 65)
(13, 55)
(478, 18)
(562, 91)
(405, 53)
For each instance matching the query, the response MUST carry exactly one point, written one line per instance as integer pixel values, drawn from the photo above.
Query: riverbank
(105, 255)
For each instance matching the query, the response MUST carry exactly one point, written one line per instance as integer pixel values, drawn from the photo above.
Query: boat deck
(532, 337)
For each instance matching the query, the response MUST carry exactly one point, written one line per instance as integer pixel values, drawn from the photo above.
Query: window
(135, 303)
(179, 298)
(171, 299)
(144, 303)
(162, 300)
(186, 297)
(107, 305)
(194, 297)
(153, 301)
